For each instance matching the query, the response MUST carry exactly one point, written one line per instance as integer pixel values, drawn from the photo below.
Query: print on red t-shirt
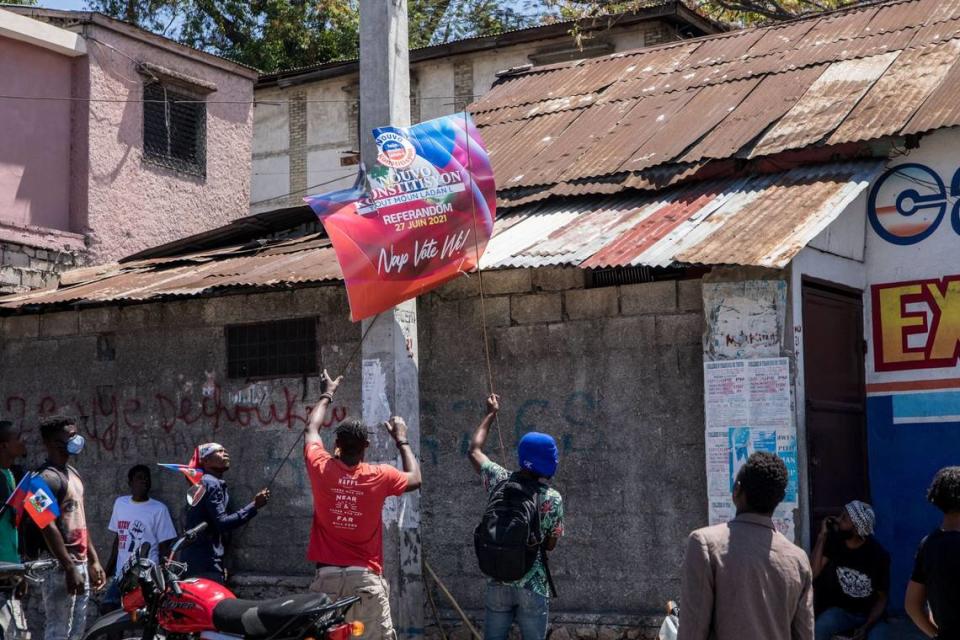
(347, 504)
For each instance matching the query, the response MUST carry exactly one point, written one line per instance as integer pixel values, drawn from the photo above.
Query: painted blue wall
(903, 461)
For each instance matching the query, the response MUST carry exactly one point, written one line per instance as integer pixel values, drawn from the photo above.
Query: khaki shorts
(373, 610)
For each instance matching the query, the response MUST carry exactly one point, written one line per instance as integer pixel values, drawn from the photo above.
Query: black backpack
(508, 538)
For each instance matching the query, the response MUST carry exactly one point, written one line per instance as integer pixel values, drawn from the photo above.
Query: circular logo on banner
(395, 150)
(907, 203)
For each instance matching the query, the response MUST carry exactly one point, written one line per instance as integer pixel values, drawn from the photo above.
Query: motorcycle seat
(263, 618)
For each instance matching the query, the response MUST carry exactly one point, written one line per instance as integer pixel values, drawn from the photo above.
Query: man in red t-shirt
(346, 540)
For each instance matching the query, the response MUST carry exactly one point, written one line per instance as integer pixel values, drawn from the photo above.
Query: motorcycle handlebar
(188, 536)
(31, 566)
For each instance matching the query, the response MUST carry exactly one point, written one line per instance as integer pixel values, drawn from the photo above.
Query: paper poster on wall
(748, 409)
(744, 319)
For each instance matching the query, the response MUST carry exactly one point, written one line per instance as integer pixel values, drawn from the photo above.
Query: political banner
(425, 216)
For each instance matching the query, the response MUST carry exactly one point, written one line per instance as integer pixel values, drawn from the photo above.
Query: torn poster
(425, 217)
(748, 409)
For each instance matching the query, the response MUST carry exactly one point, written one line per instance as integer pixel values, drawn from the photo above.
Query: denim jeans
(65, 615)
(13, 624)
(505, 604)
(837, 621)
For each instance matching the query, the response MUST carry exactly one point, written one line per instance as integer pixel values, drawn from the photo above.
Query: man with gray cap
(204, 557)
(851, 576)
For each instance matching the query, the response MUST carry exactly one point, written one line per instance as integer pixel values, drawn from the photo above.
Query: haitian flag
(15, 501)
(425, 219)
(193, 474)
(35, 498)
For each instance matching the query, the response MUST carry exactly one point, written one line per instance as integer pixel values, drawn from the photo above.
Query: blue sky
(62, 4)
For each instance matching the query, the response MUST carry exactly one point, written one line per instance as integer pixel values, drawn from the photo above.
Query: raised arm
(215, 508)
(477, 456)
(397, 428)
(328, 387)
(818, 560)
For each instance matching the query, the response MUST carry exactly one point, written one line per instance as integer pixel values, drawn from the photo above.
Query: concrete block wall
(23, 267)
(149, 383)
(615, 375)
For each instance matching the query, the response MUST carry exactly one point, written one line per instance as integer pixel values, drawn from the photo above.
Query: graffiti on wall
(916, 325)
(576, 431)
(104, 415)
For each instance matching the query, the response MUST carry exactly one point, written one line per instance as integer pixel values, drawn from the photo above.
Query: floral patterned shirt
(551, 525)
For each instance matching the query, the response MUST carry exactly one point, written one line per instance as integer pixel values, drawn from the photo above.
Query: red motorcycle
(158, 603)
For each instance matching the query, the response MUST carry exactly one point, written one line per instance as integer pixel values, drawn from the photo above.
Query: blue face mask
(75, 444)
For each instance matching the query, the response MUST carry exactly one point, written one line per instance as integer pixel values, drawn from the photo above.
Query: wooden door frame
(850, 293)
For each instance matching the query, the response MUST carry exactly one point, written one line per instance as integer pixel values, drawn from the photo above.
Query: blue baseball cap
(537, 452)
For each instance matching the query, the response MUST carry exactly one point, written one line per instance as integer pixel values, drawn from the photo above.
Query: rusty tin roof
(597, 125)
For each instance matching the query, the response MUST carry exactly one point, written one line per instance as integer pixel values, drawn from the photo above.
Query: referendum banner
(425, 217)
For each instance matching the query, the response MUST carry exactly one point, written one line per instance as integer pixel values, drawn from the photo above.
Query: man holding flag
(53, 495)
(204, 557)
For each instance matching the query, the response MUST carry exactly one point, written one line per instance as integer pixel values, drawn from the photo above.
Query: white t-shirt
(139, 522)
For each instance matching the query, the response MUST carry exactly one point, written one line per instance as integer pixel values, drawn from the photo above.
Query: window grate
(597, 278)
(174, 130)
(272, 349)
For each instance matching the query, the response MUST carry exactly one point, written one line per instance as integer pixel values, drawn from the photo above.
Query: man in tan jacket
(743, 580)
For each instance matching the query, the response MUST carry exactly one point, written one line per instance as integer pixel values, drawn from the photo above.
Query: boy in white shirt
(136, 518)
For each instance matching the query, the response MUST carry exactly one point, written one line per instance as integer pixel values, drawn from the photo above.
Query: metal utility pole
(390, 383)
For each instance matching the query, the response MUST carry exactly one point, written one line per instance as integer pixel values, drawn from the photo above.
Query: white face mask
(75, 444)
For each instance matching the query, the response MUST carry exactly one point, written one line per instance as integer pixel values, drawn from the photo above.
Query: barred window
(272, 349)
(174, 129)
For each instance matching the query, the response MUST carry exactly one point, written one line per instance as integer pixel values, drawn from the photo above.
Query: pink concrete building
(113, 140)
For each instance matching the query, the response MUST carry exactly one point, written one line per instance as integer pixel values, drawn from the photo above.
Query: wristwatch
(400, 443)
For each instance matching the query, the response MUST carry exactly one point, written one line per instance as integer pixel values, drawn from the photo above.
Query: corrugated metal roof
(824, 106)
(846, 77)
(761, 220)
(304, 260)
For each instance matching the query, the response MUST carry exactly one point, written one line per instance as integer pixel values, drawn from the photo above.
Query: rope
(483, 313)
(346, 370)
(453, 601)
(433, 605)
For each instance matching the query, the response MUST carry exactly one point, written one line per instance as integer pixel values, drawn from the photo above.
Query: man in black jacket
(204, 557)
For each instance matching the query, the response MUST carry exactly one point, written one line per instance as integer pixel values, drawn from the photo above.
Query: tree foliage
(284, 34)
(739, 12)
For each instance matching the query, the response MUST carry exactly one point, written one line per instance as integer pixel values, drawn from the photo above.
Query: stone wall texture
(23, 267)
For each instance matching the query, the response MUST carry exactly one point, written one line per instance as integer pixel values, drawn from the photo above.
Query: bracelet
(328, 396)
(400, 443)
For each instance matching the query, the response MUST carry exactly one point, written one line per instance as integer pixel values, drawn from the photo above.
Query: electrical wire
(299, 191)
(271, 103)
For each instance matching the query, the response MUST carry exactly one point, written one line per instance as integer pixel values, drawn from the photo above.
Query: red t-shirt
(347, 504)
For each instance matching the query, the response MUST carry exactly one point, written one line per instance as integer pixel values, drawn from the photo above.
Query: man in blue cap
(527, 600)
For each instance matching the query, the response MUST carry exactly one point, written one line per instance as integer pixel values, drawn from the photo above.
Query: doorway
(833, 352)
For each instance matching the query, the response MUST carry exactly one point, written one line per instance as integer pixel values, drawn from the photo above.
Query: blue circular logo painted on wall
(907, 204)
